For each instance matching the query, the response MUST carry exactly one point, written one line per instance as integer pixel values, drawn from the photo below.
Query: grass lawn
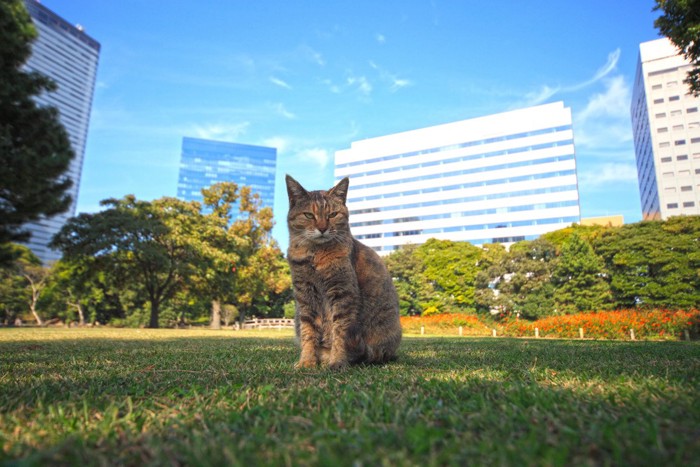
(199, 397)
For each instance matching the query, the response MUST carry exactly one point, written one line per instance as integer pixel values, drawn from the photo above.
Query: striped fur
(347, 309)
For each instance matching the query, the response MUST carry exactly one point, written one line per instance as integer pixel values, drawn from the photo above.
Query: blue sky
(311, 77)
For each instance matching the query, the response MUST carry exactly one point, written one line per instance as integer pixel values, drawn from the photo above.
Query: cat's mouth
(322, 237)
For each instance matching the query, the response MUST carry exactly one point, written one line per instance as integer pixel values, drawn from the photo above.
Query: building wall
(68, 56)
(500, 178)
(206, 162)
(666, 125)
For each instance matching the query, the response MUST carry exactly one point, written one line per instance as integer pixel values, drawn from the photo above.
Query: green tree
(35, 151)
(680, 22)
(654, 263)
(151, 247)
(579, 278)
(406, 269)
(23, 282)
(244, 263)
(451, 268)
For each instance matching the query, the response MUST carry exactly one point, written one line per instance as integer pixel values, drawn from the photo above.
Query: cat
(347, 309)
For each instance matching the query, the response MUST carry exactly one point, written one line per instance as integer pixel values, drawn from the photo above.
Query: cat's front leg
(344, 299)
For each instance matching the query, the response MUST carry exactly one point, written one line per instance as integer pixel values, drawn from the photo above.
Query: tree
(680, 22)
(406, 270)
(579, 278)
(654, 263)
(152, 247)
(22, 283)
(243, 241)
(451, 268)
(35, 150)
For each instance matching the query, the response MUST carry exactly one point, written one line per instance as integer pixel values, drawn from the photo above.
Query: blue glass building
(205, 162)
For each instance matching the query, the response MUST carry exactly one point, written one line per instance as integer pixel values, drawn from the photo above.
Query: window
(668, 174)
(675, 113)
(682, 157)
(674, 98)
(661, 115)
(662, 130)
(689, 204)
(658, 101)
(664, 144)
(677, 127)
(672, 205)
(695, 140)
(684, 173)
(670, 189)
(656, 86)
(670, 84)
(679, 142)
(687, 188)
(666, 159)
(692, 110)
(697, 171)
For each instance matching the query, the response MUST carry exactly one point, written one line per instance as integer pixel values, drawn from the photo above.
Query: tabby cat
(347, 310)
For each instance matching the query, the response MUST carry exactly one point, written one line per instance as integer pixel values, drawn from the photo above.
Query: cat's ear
(341, 189)
(294, 190)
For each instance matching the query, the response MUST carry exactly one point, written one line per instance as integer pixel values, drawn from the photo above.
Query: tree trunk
(154, 314)
(32, 306)
(215, 314)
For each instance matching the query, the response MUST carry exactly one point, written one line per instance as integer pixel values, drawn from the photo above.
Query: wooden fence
(271, 323)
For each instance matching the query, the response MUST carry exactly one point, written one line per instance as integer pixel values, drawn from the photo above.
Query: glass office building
(205, 162)
(666, 128)
(495, 179)
(69, 56)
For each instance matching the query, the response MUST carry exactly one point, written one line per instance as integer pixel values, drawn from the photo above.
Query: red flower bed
(664, 324)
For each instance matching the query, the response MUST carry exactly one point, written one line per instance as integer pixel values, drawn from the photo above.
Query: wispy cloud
(279, 82)
(380, 38)
(361, 83)
(395, 83)
(546, 92)
(281, 110)
(318, 156)
(220, 131)
(607, 173)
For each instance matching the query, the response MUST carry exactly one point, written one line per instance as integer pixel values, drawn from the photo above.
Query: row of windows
(478, 241)
(469, 199)
(455, 146)
(687, 204)
(467, 158)
(499, 181)
(676, 113)
(678, 142)
(490, 168)
(680, 158)
(681, 173)
(466, 228)
(477, 212)
(660, 100)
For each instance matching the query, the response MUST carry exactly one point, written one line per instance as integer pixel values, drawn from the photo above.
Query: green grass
(197, 397)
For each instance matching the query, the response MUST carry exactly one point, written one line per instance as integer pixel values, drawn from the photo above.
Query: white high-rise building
(67, 55)
(666, 126)
(496, 179)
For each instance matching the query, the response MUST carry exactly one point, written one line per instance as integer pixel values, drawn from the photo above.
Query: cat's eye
(333, 214)
(309, 215)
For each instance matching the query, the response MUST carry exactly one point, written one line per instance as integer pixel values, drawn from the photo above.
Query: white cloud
(279, 142)
(395, 83)
(279, 82)
(381, 39)
(608, 173)
(361, 83)
(319, 156)
(604, 123)
(281, 110)
(546, 92)
(221, 131)
(613, 102)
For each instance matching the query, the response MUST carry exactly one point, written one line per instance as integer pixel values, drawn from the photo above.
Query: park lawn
(199, 397)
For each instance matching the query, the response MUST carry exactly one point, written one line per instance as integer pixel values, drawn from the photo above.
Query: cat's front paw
(305, 363)
(338, 365)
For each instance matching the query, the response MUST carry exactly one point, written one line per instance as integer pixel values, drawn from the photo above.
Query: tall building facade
(495, 179)
(69, 56)
(206, 162)
(666, 126)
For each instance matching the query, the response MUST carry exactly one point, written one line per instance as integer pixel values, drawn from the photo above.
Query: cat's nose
(323, 229)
